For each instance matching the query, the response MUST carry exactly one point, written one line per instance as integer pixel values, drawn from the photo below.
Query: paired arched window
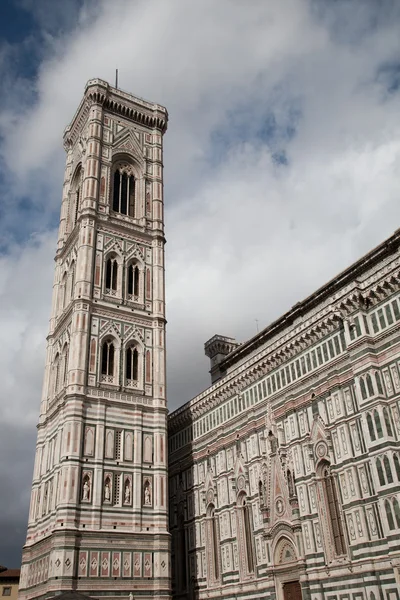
(133, 281)
(392, 510)
(366, 386)
(124, 191)
(332, 503)
(384, 470)
(374, 425)
(107, 359)
(111, 282)
(132, 365)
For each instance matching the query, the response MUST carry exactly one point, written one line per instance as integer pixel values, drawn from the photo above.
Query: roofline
(337, 282)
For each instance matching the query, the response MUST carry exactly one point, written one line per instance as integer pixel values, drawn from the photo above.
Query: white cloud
(247, 238)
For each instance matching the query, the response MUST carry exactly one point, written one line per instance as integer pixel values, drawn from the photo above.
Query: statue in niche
(147, 494)
(86, 490)
(107, 491)
(273, 443)
(127, 495)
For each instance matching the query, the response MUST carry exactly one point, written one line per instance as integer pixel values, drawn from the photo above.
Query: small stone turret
(217, 348)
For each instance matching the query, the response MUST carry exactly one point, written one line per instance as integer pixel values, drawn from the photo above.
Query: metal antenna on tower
(116, 78)
(256, 320)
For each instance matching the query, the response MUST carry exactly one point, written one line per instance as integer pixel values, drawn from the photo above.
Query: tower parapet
(217, 348)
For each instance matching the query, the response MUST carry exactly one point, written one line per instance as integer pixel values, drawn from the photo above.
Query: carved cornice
(115, 101)
(356, 295)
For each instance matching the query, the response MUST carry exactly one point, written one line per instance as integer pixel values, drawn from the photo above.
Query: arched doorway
(287, 576)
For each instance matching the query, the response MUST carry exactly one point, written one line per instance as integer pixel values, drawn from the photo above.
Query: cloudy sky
(282, 166)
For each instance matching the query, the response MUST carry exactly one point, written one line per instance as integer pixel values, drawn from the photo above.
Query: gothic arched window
(107, 358)
(363, 388)
(389, 515)
(397, 465)
(111, 275)
(56, 373)
(213, 543)
(133, 280)
(132, 364)
(371, 428)
(379, 469)
(388, 470)
(378, 383)
(378, 424)
(369, 385)
(247, 534)
(332, 502)
(388, 424)
(74, 198)
(396, 509)
(124, 191)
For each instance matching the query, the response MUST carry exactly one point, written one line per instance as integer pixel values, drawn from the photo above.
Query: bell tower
(98, 514)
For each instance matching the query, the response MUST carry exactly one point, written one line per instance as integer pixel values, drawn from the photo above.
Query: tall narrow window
(247, 533)
(378, 383)
(213, 543)
(389, 515)
(333, 511)
(111, 275)
(107, 359)
(124, 193)
(371, 428)
(133, 280)
(388, 424)
(132, 364)
(379, 469)
(378, 424)
(396, 509)
(56, 373)
(397, 465)
(388, 470)
(369, 385)
(77, 194)
(363, 388)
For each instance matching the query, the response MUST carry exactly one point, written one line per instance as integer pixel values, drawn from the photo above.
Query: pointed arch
(371, 428)
(388, 424)
(388, 470)
(213, 544)
(75, 197)
(245, 531)
(378, 424)
(332, 505)
(111, 274)
(363, 389)
(108, 355)
(134, 277)
(370, 387)
(379, 470)
(124, 189)
(397, 465)
(389, 515)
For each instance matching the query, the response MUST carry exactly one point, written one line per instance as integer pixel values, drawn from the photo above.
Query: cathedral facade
(285, 473)
(98, 520)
